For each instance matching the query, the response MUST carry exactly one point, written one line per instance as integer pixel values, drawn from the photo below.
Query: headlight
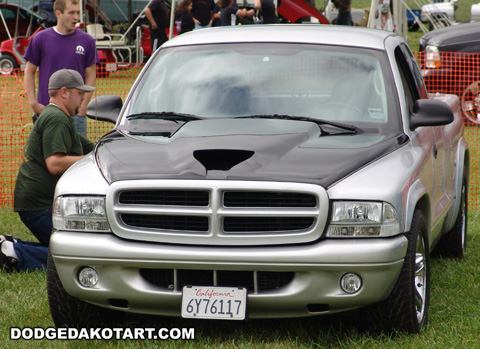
(363, 219)
(432, 57)
(80, 213)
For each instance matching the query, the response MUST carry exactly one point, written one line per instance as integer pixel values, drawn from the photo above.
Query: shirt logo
(80, 50)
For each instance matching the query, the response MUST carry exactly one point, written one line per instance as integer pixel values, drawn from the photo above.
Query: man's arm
(58, 163)
(29, 80)
(150, 18)
(90, 80)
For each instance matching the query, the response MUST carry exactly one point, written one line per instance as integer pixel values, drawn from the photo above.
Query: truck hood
(270, 150)
(461, 36)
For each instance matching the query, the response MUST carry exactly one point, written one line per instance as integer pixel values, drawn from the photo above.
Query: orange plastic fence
(454, 74)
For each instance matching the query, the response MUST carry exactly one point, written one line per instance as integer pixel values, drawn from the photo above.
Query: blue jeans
(81, 124)
(33, 255)
(198, 26)
(344, 18)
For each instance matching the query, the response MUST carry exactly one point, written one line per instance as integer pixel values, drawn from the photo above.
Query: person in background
(344, 16)
(52, 147)
(62, 46)
(184, 17)
(216, 22)
(230, 14)
(202, 13)
(157, 14)
(267, 11)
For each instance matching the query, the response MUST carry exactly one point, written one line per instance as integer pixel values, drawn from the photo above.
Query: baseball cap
(68, 78)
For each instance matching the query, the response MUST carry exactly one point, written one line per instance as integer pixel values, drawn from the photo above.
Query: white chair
(114, 42)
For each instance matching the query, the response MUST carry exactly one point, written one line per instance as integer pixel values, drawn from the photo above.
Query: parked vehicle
(17, 20)
(313, 178)
(412, 16)
(299, 11)
(475, 12)
(439, 14)
(13, 48)
(44, 8)
(17, 25)
(450, 64)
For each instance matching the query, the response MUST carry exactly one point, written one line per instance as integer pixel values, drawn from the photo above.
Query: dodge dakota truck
(271, 171)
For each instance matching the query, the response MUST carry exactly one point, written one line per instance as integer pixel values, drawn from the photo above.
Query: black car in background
(450, 59)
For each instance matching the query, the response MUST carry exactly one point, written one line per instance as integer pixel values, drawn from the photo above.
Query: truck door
(435, 141)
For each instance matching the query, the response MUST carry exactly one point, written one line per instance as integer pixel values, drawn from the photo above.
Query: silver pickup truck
(264, 172)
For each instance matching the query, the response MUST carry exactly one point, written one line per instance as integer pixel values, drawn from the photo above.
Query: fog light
(88, 277)
(351, 283)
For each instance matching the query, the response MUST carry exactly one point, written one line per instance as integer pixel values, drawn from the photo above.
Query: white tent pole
(172, 19)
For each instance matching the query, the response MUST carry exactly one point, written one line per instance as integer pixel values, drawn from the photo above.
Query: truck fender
(416, 193)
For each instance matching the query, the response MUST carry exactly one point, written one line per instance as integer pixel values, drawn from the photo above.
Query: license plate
(225, 303)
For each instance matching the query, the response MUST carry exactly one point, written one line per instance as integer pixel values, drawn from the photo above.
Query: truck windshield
(347, 85)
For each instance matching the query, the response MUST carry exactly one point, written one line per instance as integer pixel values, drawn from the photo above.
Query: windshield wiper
(165, 115)
(346, 127)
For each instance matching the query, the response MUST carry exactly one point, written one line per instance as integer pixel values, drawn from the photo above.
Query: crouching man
(52, 147)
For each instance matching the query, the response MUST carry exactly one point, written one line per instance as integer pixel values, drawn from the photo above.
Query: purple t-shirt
(51, 51)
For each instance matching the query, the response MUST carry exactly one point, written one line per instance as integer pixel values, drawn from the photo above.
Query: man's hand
(37, 107)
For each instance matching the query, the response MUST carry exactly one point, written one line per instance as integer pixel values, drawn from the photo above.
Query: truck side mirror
(105, 108)
(430, 112)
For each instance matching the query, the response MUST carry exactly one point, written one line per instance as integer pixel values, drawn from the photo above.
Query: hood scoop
(221, 159)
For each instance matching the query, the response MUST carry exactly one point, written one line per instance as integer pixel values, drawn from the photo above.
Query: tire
(454, 243)
(8, 64)
(68, 311)
(413, 27)
(470, 102)
(406, 308)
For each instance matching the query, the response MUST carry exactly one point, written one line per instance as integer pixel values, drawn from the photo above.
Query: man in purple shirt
(60, 47)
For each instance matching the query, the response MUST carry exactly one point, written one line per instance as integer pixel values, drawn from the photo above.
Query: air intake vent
(165, 197)
(268, 199)
(253, 281)
(221, 160)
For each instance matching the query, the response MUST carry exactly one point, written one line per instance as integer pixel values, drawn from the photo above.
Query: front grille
(268, 199)
(266, 224)
(181, 223)
(217, 212)
(253, 281)
(231, 199)
(165, 197)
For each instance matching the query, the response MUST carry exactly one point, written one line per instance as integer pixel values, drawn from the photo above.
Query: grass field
(454, 314)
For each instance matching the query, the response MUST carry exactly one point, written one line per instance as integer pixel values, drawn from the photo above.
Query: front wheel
(8, 64)
(406, 309)
(68, 311)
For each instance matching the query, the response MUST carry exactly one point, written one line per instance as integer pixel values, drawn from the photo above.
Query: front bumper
(314, 288)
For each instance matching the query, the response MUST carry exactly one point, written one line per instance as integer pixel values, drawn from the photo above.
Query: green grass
(454, 313)
(454, 310)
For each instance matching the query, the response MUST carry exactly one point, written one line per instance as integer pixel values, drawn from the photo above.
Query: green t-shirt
(54, 132)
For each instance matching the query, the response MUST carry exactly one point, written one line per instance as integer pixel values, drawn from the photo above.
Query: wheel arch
(417, 198)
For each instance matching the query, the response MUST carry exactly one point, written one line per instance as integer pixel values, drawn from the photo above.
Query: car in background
(439, 13)
(449, 58)
(475, 12)
(17, 21)
(44, 8)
